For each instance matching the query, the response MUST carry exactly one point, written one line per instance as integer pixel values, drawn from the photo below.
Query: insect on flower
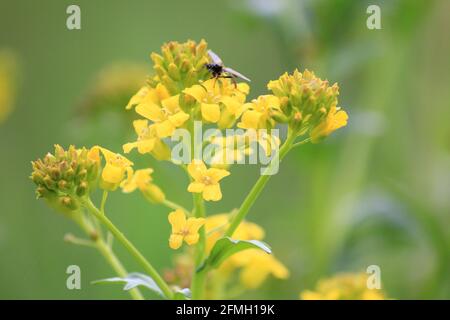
(218, 70)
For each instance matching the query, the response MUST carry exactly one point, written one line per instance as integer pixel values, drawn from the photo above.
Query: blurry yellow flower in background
(215, 96)
(258, 113)
(345, 286)
(184, 229)
(206, 181)
(142, 180)
(8, 83)
(256, 266)
(216, 225)
(114, 170)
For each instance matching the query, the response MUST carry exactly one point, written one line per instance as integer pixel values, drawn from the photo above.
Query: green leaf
(133, 280)
(226, 247)
(182, 294)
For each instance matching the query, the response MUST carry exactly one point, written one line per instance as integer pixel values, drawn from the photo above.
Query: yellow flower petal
(196, 91)
(179, 118)
(129, 185)
(212, 192)
(197, 169)
(210, 112)
(113, 174)
(250, 119)
(192, 238)
(127, 147)
(196, 187)
(177, 219)
(194, 224)
(233, 106)
(175, 241)
(243, 87)
(164, 129)
(217, 174)
(138, 97)
(145, 146)
(150, 111)
(171, 104)
(140, 125)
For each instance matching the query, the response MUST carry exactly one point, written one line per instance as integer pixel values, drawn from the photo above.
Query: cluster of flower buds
(65, 176)
(309, 103)
(180, 65)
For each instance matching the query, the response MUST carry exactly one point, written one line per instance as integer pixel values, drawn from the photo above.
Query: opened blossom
(142, 180)
(219, 100)
(115, 167)
(259, 113)
(156, 104)
(184, 229)
(206, 181)
(335, 119)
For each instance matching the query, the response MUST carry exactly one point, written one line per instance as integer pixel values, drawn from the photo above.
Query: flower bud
(309, 103)
(153, 193)
(62, 177)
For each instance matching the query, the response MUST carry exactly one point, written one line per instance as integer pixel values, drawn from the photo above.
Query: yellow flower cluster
(309, 104)
(345, 286)
(255, 265)
(180, 92)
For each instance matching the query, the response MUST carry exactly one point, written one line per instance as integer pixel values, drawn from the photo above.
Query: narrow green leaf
(133, 280)
(226, 247)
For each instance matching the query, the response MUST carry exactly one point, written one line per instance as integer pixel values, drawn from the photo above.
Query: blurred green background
(376, 192)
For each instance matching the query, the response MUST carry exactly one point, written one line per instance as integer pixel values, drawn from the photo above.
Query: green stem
(109, 255)
(198, 278)
(130, 247)
(257, 188)
(106, 251)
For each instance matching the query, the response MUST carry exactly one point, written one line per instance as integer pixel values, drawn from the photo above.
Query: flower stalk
(106, 251)
(257, 188)
(130, 247)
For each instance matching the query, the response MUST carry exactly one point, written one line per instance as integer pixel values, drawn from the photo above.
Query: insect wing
(214, 57)
(236, 74)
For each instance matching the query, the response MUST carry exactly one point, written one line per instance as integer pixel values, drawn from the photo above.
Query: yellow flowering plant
(216, 254)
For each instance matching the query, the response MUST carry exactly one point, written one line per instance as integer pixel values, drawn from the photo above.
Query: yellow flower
(206, 181)
(230, 149)
(216, 225)
(184, 229)
(256, 266)
(142, 180)
(8, 82)
(114, 170)
(215, 96)
(147, 141)
(146, 138)
(258, 113)
(157, 105)
(345, 286)
(335, 119)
